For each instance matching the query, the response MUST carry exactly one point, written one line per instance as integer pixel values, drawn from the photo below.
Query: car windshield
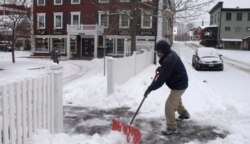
(207, 53)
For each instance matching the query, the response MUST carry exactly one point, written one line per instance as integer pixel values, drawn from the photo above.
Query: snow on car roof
(207, 52)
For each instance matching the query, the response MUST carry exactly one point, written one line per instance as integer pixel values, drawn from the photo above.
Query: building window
(215, 18)
(211, 19)
(239, 17)
(42, 44)
(58, 20)
(227, 28)
(248, 29)
(228, 16)
(124, 20)
(103, 19)
(120, 46)
(103, 1)
(57, 2)
(75, 18)
(40, 2)
(146, 20)
(124, 0)
(73, 44)
(75, 1)
(248, 16)
(59, 42)
(41, 21)
(146, 0)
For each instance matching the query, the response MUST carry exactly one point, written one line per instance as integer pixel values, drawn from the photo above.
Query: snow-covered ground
(220, 98)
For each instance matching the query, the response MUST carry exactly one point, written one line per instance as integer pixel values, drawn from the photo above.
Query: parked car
(4, 46)
(207, 59)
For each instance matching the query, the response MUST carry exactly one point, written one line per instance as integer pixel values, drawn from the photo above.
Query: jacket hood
(163, 47)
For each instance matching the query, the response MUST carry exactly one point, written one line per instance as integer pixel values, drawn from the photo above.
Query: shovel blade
(133, 134)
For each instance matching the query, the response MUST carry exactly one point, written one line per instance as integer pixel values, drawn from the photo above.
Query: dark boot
(184, 116)
(169, 131)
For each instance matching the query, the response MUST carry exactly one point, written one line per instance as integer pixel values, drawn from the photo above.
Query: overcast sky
(226, 4)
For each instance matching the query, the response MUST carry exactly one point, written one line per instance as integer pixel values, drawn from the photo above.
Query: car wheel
(196, 66)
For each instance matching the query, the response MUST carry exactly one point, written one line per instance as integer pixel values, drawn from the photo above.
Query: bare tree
(189, 10)
(190, 26)
(16, 24)
(170, 10)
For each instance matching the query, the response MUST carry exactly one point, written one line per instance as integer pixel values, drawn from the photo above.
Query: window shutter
(97, 18)
(82, 18)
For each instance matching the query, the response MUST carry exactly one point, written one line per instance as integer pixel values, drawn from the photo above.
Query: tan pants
(173, 104)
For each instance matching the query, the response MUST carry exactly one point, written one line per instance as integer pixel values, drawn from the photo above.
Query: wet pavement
(90, 121)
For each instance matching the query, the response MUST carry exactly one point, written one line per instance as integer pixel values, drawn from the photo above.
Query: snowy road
(207, 87)
(219, 80)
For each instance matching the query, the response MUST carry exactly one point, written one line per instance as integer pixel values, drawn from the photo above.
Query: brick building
(83, 28)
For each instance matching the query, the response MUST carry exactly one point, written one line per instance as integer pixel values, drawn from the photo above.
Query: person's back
(178, 78)
(56, 54)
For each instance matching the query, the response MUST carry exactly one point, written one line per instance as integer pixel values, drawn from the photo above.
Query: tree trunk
(13, 46)
(133, 25)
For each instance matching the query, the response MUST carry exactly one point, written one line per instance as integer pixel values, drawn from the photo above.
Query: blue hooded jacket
(172, 71)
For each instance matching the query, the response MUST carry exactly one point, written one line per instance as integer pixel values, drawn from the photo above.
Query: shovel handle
(140, 105)
(137, 110)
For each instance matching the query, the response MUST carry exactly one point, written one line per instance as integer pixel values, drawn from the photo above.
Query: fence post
(110, 78)
(56, 70)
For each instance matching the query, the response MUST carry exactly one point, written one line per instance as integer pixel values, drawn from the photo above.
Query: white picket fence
(119, 70)
(31, 104)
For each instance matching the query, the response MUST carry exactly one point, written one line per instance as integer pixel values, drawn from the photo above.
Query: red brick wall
(89, 10)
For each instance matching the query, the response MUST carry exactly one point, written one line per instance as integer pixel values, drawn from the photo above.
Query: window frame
(124, 1)
(55, 22)
(121, 19)
(72, 2)
(58, 3)
(103, 1)
(44, 42)
(142, 20)
(227, 28)
(239, 16)
(72, 14)
(61, 42)
(40, 4)
(73, 40)
(100, 13)
(44, 19)
(227, 16)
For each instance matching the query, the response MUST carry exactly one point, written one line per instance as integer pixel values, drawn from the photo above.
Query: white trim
(103, 1)
(142, 20)
(234, 40)
(75, 14)
(44, 19)
(41, 3)
(126, 16)
(99, 18)
(72, 2)
(55, 15)
(124, 0)
(58, 3)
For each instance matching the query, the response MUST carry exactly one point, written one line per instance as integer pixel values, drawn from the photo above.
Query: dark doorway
(88, 47)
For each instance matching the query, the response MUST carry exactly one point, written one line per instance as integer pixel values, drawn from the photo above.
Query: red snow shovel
(132, 133)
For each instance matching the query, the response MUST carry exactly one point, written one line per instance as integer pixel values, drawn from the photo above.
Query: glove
(147, 92)
(157, 71)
